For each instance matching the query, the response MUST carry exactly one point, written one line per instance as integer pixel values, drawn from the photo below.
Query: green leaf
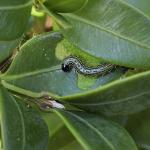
(139, 127)
(73, 146)
(6, 48)
(14, 18)
(42, 74)
(60, 139)
(94, 132)
(0, 136)
(59, 136)
(65, 6)
(54, 123)
(142, 5)
(124, 96)
(12, 3)
(22, 127)
(112, 30)
(42, 47)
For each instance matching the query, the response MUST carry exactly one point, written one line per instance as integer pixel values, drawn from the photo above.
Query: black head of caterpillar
(66, 68)
(69, 63)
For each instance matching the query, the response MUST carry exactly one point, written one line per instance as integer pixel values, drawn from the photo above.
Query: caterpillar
(73, 62)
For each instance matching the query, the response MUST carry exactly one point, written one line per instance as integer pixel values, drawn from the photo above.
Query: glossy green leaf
(31, 76)
(60, 139)
(139, 127)
(124, 96)
(0, 135)
(6, 48)
(112, 30)
(65, 6)
(53, 122)
(142, 5)
(73, 146)
(42, 74)
(42, 47)
(0, 144)
(14, 17)
(13, 3)
(94, 132)
(59, 136)
(22, 127)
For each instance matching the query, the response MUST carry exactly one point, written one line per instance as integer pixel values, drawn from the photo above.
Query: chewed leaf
(124, 96)
(43, 74)
(112, 30)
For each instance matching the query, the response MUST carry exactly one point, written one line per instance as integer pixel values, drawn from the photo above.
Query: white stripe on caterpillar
(74, 62)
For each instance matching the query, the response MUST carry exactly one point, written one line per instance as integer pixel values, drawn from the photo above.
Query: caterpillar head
(66, 67)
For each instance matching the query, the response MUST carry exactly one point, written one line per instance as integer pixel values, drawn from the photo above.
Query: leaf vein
(94, 129)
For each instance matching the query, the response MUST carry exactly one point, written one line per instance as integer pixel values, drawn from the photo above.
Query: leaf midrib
(94, 129)
(24, 75)
(108, 31)
(112, 102)
(23, 126)
(26, 92)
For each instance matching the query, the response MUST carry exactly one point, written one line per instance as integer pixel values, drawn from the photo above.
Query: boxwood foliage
(99, 112)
